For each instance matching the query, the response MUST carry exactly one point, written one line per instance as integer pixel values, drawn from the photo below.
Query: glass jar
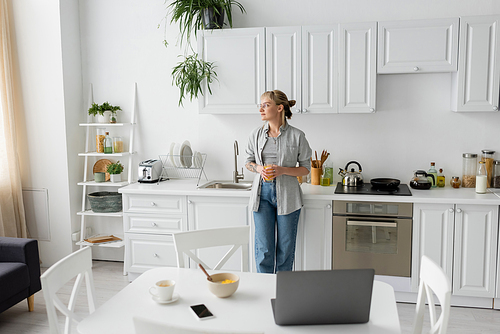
(455, 182)
(469, 166)
(99, 140)
(487, 157)
(495, 183)
(118, 144)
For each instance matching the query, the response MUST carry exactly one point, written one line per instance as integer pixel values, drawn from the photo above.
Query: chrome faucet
(237, 176)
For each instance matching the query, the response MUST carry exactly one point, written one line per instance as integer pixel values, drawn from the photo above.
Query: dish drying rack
(171, 169)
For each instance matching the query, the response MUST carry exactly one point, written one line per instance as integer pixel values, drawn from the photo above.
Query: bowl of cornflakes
(224, 284)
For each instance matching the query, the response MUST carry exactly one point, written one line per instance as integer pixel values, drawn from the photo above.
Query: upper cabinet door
(418, 46)
(239, 57)
(319, 69)
(476, 85)
(283, 62)
(357, 67)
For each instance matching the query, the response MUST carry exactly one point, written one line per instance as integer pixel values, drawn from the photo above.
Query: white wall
(413, 125)
(121, 44)
(41, 122)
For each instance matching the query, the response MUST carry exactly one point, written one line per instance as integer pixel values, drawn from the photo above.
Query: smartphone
(201, 312)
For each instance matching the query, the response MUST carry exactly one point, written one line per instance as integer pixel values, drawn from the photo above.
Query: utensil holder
(316, 175)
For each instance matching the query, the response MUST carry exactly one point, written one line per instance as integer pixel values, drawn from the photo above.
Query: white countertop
(187, 187)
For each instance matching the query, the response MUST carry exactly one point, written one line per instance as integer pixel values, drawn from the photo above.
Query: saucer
(175, 296)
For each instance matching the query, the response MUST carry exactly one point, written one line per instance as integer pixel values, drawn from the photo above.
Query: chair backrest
(149, 326)
(238, 237)
(433, 280)
(79, 265)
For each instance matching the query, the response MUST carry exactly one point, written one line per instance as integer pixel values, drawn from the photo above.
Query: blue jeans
(275, 235)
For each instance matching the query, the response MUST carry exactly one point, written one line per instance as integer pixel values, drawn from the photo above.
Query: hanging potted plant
(115, 170)
(192, 15)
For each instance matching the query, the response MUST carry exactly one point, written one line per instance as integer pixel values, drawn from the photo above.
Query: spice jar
(469, 165)
(455, 182)
(487, 157)
(495, 183)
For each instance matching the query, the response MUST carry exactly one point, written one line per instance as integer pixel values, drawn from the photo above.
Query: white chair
(79, 265)
(432, 280)
(149, 326)
(239, 236)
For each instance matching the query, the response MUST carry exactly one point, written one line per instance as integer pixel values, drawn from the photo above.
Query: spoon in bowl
(208, 276)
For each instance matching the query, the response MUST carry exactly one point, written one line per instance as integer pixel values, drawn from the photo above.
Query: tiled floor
(109, 279)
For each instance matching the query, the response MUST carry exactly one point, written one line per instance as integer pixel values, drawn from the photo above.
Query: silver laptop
(323, 297)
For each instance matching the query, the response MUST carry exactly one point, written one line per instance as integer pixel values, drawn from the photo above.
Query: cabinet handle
(328, 206)
(190, 202)
(459, 210)
(155, 255)
(154, 224)
(153, 204)
(416, 68)
(372, 109)
(304, 111)
(495, 108)
(451, 210)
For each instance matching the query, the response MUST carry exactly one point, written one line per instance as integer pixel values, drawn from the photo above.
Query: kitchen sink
(227, 185)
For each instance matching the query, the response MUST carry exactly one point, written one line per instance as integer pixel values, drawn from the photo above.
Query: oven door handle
(369, 223)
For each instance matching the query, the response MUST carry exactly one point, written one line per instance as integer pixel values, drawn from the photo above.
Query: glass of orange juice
(268, 179)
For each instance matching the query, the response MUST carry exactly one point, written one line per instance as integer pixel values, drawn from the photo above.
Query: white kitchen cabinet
(283, 62)
(314, 243)
(474, 265)
(149, 222)
(320, 69)
(432, 236)
(210, 212)
(239, 57)
(475, 87)
(418, 46)
(357, 67)
(462, 238)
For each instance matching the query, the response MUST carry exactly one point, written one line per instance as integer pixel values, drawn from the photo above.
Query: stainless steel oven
(372, 235)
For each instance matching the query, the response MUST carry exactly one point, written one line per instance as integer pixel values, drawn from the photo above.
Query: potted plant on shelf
(105, 113)
(192, 15)
(115, 170)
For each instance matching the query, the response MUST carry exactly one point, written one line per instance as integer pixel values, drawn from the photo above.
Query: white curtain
(12, 218)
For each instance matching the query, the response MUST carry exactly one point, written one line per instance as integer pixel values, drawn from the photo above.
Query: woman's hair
(280, 98)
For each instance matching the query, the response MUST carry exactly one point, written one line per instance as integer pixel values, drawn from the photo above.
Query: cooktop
(367, 189)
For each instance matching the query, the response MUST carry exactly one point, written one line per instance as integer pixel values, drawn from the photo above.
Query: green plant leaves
(100, 109)
(189, 74)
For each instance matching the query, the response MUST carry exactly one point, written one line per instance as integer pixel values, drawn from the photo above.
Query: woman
(276, 197)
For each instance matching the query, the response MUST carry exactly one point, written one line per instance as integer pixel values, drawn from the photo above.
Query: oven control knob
(451, 210)
(459, 210)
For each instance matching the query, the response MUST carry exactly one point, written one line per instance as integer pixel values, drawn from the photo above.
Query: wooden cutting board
(105, 238)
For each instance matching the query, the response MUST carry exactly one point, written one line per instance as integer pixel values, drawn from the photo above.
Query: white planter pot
(116, 177)
(104, 118)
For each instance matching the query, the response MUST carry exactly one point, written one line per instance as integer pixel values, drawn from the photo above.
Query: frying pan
(385, 183)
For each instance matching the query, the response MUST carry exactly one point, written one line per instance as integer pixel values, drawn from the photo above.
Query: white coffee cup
(164, 290)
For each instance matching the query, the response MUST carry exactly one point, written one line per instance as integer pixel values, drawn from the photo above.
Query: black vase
(211, 19)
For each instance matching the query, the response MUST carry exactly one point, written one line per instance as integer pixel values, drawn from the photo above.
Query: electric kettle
(351, 178)
(421, 180)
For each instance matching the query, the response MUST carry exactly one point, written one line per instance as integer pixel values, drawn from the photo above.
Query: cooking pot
(351, 178)
(421, 180)
(385, 183)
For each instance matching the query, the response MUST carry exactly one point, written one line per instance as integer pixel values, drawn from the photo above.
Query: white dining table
(248, 309)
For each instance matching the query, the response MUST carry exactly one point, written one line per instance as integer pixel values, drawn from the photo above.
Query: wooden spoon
(208, 276)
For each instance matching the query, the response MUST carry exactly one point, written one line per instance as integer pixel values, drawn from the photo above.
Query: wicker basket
(105, 201)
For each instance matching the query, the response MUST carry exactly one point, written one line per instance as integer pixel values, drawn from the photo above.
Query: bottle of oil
(441, 181)
(108, 144)
(434, 173)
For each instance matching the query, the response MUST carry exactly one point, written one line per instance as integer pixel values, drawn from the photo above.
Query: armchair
(19, 271)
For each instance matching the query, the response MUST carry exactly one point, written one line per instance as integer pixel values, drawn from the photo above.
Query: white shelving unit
(89, 144)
